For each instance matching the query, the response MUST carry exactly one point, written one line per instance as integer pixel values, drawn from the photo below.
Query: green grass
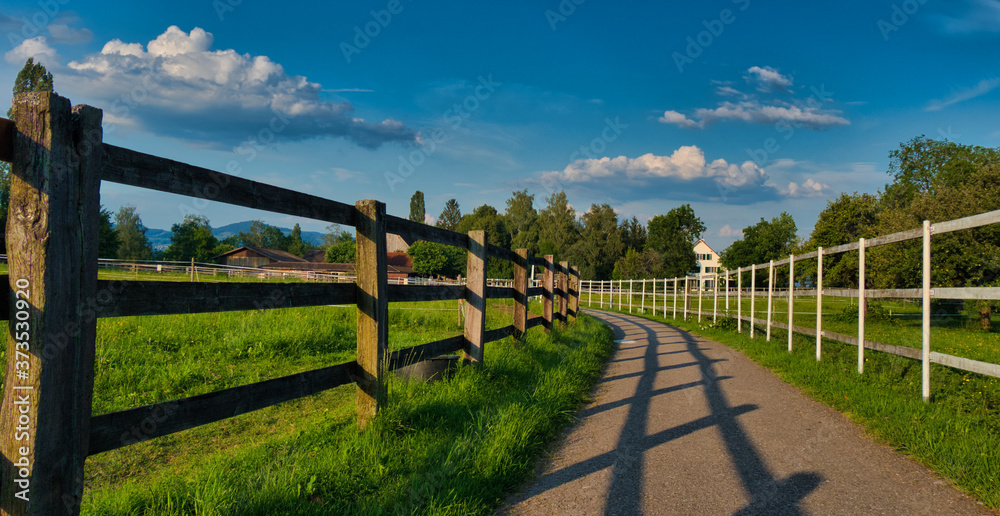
(453, 447)
(955, 434)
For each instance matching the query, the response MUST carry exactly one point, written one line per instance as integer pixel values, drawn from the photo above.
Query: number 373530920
(22, 328)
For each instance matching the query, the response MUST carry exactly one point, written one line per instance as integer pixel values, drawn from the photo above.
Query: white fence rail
(679, 289)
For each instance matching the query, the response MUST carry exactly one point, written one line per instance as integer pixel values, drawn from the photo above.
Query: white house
(708, 262)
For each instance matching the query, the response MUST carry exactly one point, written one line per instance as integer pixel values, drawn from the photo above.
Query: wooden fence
(46, 426)
(680, 290)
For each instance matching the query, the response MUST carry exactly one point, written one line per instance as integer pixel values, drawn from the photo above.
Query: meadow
(457, 446)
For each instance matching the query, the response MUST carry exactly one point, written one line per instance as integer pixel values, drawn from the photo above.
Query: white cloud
(768, 78)
(429, 220)
(983, 87)
(727, 231)
(686, 164)
(37, 48)
(678, 119)
(61, 31)
(978, 16)
(188, 90)
(754, 112)
(810, 188)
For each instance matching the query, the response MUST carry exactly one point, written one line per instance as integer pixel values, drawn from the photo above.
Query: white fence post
(701, 285)
(861, 306)
(727, 293)
(630, 298)
(926, 355)
(643, 307)
(791, 298)
(675, 298)
(819, 303)
(753, 297)
(739, 300)
(686, 289)
(654, 297)
(715, 303)
(770, 295)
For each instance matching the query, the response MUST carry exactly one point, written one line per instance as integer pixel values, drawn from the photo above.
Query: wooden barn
(258, 257)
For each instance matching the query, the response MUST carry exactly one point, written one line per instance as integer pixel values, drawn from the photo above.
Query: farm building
(249, 256)
(708, 263)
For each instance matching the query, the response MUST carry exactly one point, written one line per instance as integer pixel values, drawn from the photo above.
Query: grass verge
(955, 434)
(452, 447)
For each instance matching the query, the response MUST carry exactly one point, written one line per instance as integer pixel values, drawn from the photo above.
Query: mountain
(160, 238)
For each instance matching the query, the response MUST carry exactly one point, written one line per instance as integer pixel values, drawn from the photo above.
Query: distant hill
(160, 238)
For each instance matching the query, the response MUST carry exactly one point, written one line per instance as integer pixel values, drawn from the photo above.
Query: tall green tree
(107, 238)
(762, 242)
(32, 77)
(600, 243)
(636, 265)
(921, 165)
(673, 236)
(521, 218)
(633, 234)
(489, 220)
(451, 216)
(558, 229)
(131, 234)
(192, 238)
(418, 211)
(845, 219)
(296, 245)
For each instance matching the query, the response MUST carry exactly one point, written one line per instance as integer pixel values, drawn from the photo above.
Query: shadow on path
(767, 494)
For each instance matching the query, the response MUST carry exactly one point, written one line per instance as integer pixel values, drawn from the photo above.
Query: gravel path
(683, 425)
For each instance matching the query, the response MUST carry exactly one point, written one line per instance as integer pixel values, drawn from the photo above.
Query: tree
(633, 234)
(489, 220)
(417, 209)
(345, 251)
(131, 235)
(600, 243)
(846, 219)
(265, 235)
(191, 239)
(433, 259)
(920, 166)
(762, 242)
(520, 219)
(673, 236)
(32, 77)
(558, 229)
(451, 216)
(107, 238)
(296, 245)
(636, 265)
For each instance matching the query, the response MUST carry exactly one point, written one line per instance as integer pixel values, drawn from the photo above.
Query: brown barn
(257, 257)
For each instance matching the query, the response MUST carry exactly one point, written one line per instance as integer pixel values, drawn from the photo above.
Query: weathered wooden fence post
(520, 293)
(52, 256)
(574, 292)
(373, 308)
(549, 289)
(563, 291)
(475, 296)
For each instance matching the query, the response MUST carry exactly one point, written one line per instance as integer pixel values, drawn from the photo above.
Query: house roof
(702, 241)
(274, 255)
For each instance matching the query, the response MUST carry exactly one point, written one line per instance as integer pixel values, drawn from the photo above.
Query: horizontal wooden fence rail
(58, 161)
(759, 281)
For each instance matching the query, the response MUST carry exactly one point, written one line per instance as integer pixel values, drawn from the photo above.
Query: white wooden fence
(680, 290)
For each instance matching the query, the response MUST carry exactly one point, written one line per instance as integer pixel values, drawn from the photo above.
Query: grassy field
(452, 447)
(955, 434)
(899, 324)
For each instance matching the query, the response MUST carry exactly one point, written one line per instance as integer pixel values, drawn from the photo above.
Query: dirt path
(683, 425)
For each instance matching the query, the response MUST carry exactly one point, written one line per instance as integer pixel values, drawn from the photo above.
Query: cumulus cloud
(768, 79)
(800, 112)
(178, 86)
(37, 48)
(686, 164)
(810, 188)
(678, 119)
(727, 231)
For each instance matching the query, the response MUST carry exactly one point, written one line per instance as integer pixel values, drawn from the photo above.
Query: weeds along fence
(46, 426)
(679, 295)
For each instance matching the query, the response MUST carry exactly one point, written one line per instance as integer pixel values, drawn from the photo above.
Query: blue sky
(742, 108)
